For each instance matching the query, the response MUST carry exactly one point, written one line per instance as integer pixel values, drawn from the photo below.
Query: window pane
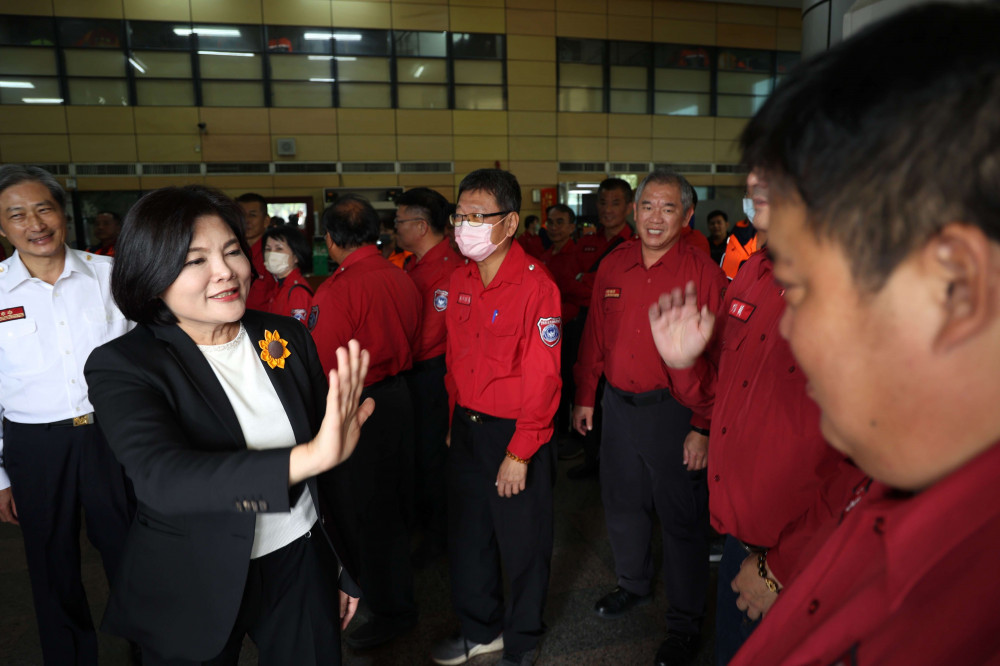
(111, 92)
(217, 66)
(483, 98)
(365, 95)
(290, 39)
(28, 61)
(742, 106)
(631, 54)
(91, 33)
(677, 79)
(41, 88)
(685, 57)
(360, 42)
(161, 64)
(423, 97)
(632, 78)
(478, 71)
(572, 75)
(301, 94)
(629, 101)
(160, 35)
(300, 67)
(410, 43)
(748, 84)
(84, 62)
(475, 45)
(746, 60)
(165, 93)
(414, 70)
(581, 99)
(363, 69)
(681, 104)
(226, 93)
(25, 30)
(588, 51)
(228, 37)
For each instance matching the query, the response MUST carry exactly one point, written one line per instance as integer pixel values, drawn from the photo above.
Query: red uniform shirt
(531, 244)
(292, 298)
(261, 289)
(767, 458)
(904, 579)
(503, 347)
(592, 249)
(431, 274)
(372, 301)
(617, 339)
(566, 265)
(696, 238)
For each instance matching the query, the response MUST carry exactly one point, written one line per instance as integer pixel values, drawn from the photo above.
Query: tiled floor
(582, 571)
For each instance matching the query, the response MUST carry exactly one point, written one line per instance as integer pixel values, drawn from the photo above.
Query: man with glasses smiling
(504, 334)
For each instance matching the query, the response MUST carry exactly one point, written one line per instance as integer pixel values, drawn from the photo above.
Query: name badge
(741, 310)
(8, 314)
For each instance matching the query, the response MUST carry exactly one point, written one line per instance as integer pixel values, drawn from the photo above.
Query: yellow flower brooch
(273, 350)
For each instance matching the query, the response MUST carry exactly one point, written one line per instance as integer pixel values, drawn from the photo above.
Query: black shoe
(618, 602)
(582, 471)
(379, 630)
(677, 650)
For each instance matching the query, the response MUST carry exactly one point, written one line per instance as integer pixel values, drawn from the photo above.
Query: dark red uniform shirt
(767, 458)
(566, 265)
(531, 244)
(592, 248)
(261, 289)
(372, 301)
(617, 339)
(696, 238)
(292, 298)
(431, 274)
(904, 579)
(503, 346)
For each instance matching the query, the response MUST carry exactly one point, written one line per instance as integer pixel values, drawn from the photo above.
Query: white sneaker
(457, 649)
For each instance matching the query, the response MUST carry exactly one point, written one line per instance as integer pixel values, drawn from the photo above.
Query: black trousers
(290, 609)
(486, 530)
(430, 427)
(54, 471)
(375, 491)
(641, 471)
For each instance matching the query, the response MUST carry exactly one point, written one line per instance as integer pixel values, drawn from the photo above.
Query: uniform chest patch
(440, 300)
(613, 292)
(741, 309)
(465, 299)
(589, 248)
(313, 317)
(7, 314)
(300, 314)
(550, 330)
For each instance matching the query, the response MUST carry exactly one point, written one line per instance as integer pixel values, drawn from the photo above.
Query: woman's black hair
(295, 241)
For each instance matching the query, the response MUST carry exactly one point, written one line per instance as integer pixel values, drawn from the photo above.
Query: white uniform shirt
(47, 332)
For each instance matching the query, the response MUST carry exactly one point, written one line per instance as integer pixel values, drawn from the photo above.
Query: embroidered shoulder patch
(299, 314)
(613, 292)
(313, 317)
(550, 330)
(741, 310)
(440, 300)
(8, 314)
(465, 299)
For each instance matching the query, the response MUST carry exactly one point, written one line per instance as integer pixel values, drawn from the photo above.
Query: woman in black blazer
(217, 414)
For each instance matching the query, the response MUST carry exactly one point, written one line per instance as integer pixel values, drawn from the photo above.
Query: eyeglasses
(474, 219)
(398, 222)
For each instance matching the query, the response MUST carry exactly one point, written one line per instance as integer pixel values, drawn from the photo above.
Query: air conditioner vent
(191, 168)
(105, 170)
(582, 167)
(237, 167)
(368, 167)
(426, 167)
(305, 167)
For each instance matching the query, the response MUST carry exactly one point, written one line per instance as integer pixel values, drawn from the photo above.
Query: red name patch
(11, 313)
(465, 299)
(612, 292)
(741, 310)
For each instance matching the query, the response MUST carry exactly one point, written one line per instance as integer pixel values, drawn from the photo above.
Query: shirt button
(813, 606)
(879, 525)
(762, 336)
(723, 431)
(716, 477)
(67, 351)
(72, 381)
(791, 369)
(62, 323)
(745, 383)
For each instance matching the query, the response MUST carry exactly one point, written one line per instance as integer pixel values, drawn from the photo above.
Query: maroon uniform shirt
(263, 288)
(566, 265)
(431, 275)
(532, 244)
(374, 302)
(592, 248)
(503, 347)
(904, 579)
(767, 459)
(292, 298)
(617, 339)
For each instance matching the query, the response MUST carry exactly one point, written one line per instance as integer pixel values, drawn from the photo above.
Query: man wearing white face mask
(745, 238)
(502, 358)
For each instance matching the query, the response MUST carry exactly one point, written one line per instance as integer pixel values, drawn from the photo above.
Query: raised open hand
(681, 330)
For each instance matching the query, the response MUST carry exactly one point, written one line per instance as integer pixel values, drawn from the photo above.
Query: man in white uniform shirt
(55, 308)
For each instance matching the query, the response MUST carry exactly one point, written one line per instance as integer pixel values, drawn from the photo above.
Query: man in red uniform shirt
(255, 216)
(885, 242)
(653, 449)
(421, 224)
(504, 335)
(767, 460)
(372, 301)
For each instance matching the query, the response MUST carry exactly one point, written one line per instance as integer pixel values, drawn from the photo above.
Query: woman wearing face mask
(285, 253)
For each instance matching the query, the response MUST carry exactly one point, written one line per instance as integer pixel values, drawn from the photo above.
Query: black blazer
(170, 424)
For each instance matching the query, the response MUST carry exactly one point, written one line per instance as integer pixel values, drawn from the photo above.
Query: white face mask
(475, 242)
(277, 263)
(748, 209)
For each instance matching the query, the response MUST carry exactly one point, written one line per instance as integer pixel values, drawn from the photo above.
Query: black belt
(642, 399)
(86, 419)
(479, 417)
(750, 548)
(428, 364)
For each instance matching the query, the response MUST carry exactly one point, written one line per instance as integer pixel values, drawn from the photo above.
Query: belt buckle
(475, 418)
(86, 419)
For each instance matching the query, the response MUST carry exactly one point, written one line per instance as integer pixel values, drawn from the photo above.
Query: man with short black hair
(264, 285)
(718, 234)
(107, 226)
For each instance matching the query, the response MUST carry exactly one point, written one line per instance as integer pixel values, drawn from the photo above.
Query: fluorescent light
(347, 36)
(420, 70)
(209, 32)
(592, 186)
(318, 80)
(226, 53)
(16, 84)
(581, 191)
(42, 100)
(321, 57)
(344, 58)
(137, 65)
(318, 35)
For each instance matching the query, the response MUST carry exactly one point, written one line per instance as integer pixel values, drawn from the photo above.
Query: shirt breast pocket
(500, 342)
(105, 325)
(22, 347)
(735, 335)
(613, 305)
